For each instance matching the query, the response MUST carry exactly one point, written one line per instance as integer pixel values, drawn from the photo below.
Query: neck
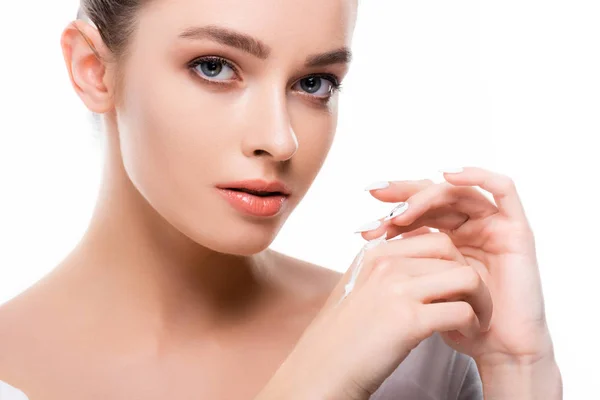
(131, 262)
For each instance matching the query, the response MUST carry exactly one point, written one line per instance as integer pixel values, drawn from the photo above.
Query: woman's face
(189, 122)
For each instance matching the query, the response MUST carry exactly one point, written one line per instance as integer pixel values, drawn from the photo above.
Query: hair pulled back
(115, 21)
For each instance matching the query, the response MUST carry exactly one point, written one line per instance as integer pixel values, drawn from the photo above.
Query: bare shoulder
(14, 336)
(29, 330)
(21, 338)
(26, 324)
(306, 277)
(11, 318)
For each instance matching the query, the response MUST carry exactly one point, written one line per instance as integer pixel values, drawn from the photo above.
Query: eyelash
(336, 85)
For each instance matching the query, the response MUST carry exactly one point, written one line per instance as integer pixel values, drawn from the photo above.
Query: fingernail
(377, 185)
(369, 227)
(452, 170)
(399, 209)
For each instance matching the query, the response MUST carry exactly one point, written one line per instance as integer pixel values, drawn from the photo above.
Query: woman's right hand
(407, 289)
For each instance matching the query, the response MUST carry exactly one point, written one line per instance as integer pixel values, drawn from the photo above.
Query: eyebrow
(259, 49)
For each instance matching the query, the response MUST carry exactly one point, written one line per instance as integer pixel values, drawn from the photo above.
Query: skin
(171, 290)
(515, 356)
(173, 294)
(476, 282)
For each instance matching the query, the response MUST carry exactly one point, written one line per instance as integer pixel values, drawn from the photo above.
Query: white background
(513, 86)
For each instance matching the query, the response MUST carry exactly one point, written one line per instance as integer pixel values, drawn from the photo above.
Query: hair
(116, 22)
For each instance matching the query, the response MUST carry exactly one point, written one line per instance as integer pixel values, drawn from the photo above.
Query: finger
(502, 188)
(388, 260)
(440, 206)
(415, 232)
(449, 316)
(400, 190)
(445, 197)
(463, 283)
(442, 219)
(414, 267)
(447, 222)
(435, 245)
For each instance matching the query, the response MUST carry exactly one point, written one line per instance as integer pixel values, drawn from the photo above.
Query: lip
(254, 205)
(259, 185)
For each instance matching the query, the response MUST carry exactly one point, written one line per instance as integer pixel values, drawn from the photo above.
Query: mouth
(258, 187)
(256, 197)
(256, 192)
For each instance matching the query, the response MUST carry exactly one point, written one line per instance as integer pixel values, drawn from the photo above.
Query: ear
(89, 67)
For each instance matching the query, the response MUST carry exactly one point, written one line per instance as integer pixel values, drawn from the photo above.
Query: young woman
(218, 116)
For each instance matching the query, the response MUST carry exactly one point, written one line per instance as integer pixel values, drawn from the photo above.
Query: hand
(497, 241)
(403, 294)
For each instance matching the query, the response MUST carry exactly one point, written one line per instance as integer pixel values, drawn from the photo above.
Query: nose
(269, 132)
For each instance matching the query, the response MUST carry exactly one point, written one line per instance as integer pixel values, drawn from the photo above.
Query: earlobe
(86, 59)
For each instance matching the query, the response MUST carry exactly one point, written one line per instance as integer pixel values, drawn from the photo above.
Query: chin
(243, 248)
(243, 238)
(241, 245)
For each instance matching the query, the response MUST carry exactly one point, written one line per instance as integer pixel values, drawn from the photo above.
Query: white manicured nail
(378, 185)
(369, 226)
(399, 209)
(452, 170)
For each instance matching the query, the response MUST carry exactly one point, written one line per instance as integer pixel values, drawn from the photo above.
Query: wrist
(531, 377)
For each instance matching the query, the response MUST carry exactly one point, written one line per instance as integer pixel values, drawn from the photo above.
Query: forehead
(301, 25)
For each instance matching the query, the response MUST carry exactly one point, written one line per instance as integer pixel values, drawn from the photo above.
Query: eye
(210, 68)
(321, 86)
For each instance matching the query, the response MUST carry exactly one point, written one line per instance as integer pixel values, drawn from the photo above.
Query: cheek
(178, 138)
(168, 143)
(315, 137)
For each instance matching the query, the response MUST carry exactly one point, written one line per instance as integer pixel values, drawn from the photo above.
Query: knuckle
(420, 327)
(398, 286)
(408, 312)
(380, 266)
(465, 313)
(506, 183)
(470, 277)
(444, 239)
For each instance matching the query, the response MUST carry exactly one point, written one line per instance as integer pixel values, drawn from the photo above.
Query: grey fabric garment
(433, 371)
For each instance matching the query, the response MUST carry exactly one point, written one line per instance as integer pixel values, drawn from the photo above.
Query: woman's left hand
(496, 240)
